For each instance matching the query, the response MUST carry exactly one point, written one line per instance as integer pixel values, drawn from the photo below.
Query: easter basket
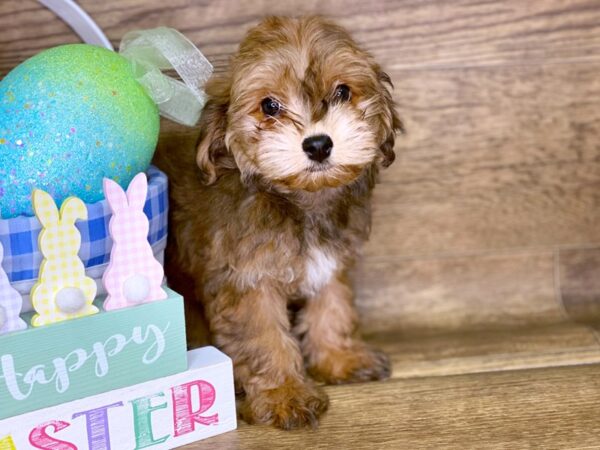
(87, 324)
(22, 256)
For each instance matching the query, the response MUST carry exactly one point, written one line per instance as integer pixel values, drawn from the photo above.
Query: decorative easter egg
(69, 117)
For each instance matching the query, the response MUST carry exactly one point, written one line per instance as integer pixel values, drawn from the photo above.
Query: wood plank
(549, 408)
(565, 344)
(550, 110)
(580, 283)
(403, 34)
(457, 293)
(531, 208)
(493, 159)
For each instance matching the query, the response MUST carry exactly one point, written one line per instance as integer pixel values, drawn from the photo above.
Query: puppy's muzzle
(318, 148)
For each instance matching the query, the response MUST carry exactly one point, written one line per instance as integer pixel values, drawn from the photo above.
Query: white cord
(78, 19)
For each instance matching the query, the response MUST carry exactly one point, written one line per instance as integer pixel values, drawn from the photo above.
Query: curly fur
(256, 227)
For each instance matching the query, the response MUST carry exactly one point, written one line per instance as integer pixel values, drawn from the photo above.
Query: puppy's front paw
(359, 363)
(292, 405)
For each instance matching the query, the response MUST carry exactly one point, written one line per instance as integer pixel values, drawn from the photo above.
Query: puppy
(271, 210)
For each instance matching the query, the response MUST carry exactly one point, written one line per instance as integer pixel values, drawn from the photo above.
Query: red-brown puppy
(274, 206)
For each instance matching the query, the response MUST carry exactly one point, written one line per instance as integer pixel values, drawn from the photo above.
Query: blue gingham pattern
(19, 235)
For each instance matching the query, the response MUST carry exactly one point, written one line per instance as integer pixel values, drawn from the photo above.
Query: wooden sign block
(57, 363)
(162, 414)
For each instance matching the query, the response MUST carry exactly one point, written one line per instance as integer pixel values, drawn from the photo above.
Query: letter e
(142, 421)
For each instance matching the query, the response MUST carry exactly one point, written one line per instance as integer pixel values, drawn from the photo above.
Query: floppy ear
(45, 208)
(212, 150)
(72, 209)
(137, 191)
(389, 119)
(114, 195)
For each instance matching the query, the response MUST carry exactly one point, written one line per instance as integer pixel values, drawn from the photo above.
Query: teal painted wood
(46, 366)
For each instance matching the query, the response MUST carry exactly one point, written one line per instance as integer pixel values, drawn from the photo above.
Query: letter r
(184, 419)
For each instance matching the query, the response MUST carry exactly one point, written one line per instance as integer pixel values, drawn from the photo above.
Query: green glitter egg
(69, 117)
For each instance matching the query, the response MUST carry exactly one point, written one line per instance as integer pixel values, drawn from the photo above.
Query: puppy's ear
(390, 121)
(212, 153)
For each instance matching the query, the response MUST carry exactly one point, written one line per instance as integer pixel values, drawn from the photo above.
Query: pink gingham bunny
(10, 303)
(133, 275)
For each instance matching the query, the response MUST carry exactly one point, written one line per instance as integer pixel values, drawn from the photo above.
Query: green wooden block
(46, 366)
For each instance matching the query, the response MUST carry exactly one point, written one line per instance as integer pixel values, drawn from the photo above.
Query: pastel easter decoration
(165, 413)
(122, 376)
(75, 114)
(133, 275)
(63, 290)
(10, 303)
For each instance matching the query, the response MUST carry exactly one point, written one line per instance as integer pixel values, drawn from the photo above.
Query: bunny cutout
(10, 303)
(133, 275)
(63, 291)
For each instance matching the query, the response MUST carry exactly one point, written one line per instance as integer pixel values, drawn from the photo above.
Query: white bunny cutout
(10, 303)
(133, 275)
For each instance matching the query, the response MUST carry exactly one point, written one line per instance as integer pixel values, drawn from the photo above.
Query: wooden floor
(553, 408)
(482, 276)
(494, 389)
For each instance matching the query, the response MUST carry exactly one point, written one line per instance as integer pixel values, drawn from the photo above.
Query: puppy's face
(302, 108)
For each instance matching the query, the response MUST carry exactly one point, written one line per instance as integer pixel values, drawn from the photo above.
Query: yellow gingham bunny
(63, 291)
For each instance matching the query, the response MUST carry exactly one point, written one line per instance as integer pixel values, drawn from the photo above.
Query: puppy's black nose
(318, 148)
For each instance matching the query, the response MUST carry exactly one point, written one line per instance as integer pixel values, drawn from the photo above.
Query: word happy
(21, 385)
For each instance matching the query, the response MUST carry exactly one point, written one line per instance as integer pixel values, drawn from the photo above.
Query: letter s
(40, 439)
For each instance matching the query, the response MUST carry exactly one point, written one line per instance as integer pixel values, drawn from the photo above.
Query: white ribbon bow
(158, 49)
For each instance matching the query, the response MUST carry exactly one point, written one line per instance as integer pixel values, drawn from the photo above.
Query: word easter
(161, 414)
(97, 422)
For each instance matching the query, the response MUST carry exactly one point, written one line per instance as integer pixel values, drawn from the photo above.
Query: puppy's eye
(270, 107)
(342, 93)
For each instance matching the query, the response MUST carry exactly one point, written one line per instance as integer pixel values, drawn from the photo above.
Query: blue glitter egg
(69, 117)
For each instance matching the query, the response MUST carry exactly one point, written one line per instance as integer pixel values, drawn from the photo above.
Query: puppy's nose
(318, 148)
